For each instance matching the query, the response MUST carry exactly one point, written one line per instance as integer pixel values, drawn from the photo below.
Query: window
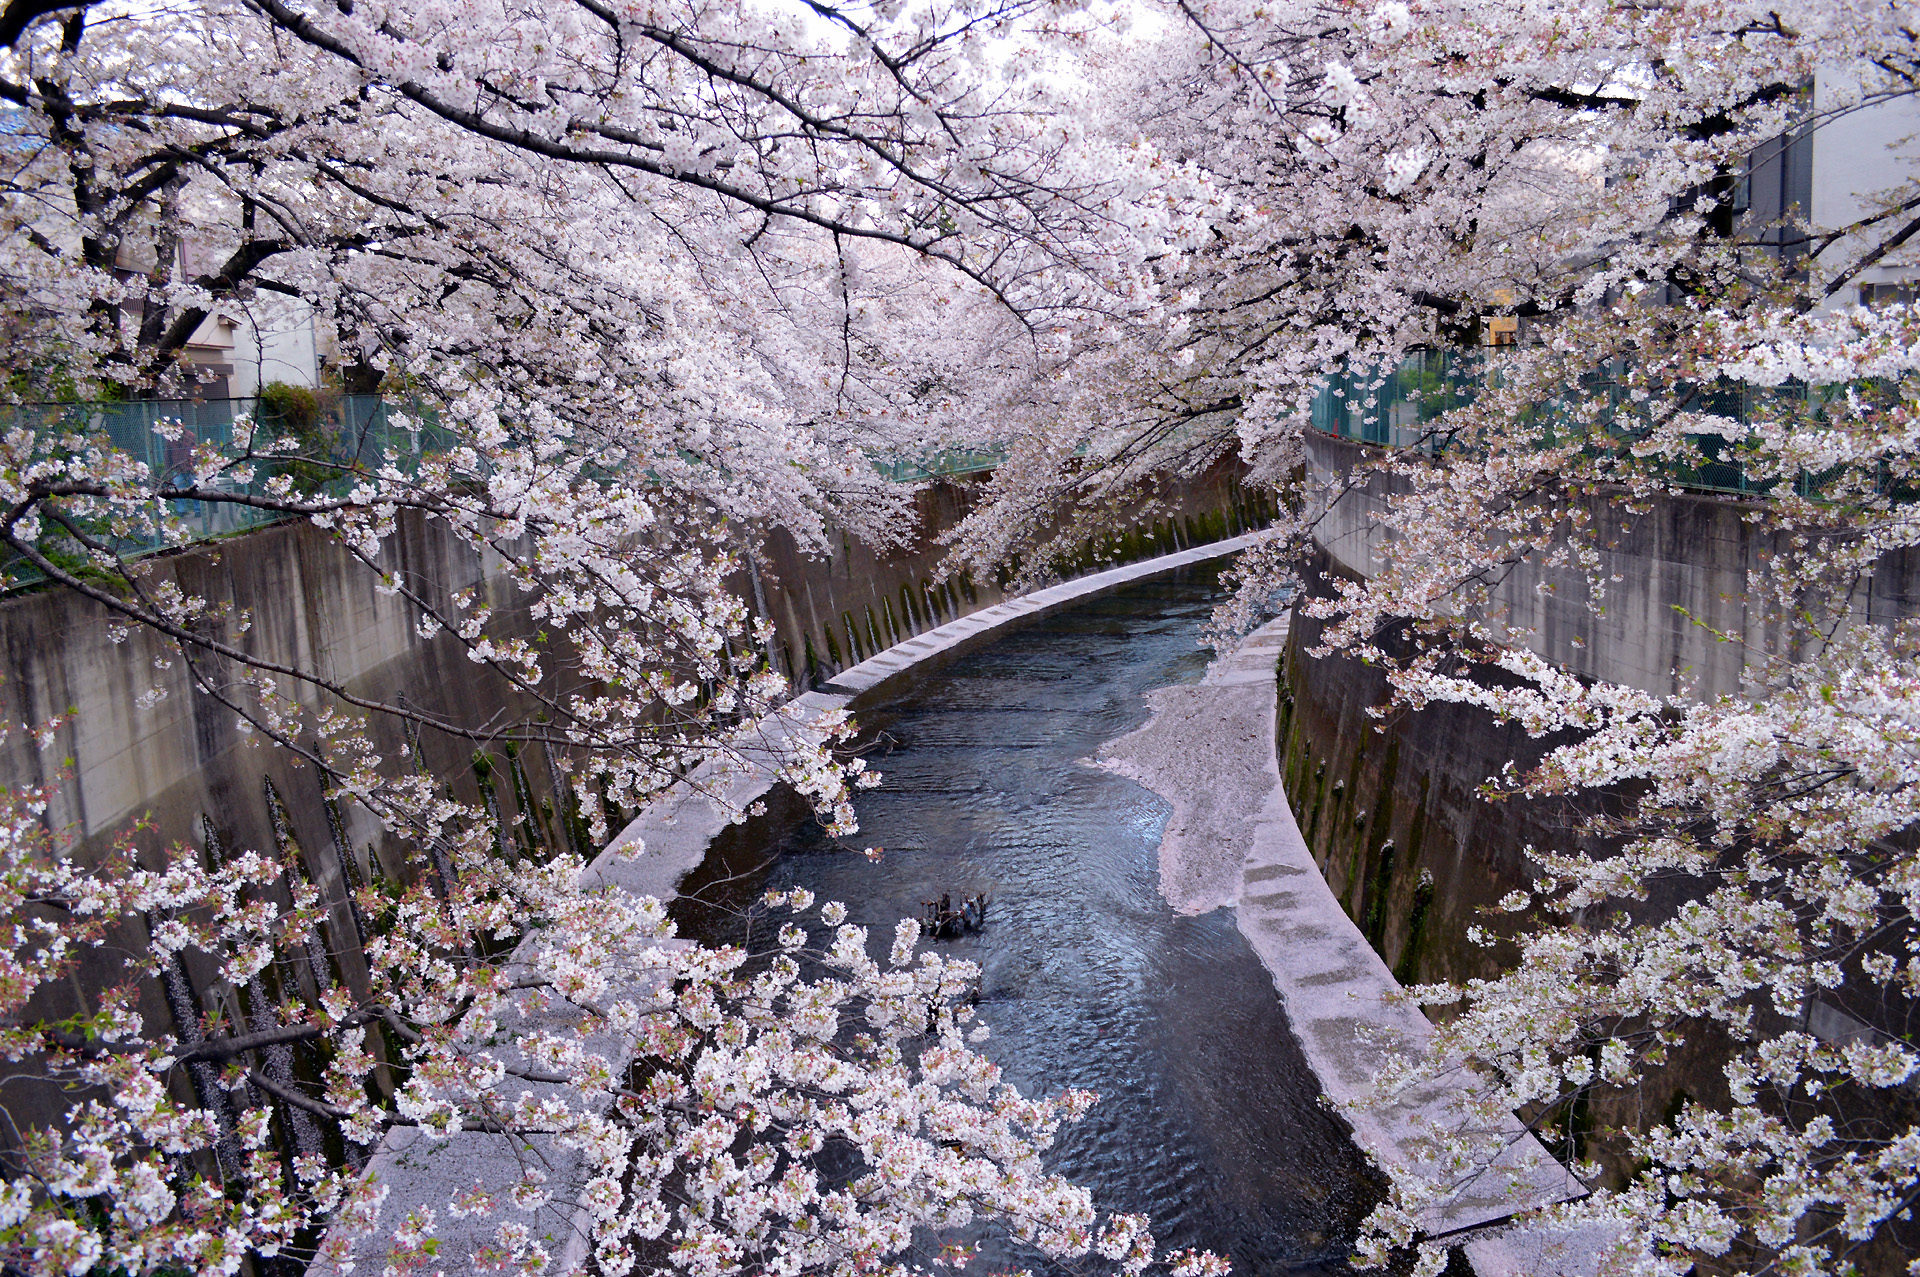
(1894, 294)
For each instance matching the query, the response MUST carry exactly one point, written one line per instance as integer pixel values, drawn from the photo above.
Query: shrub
(293, 408)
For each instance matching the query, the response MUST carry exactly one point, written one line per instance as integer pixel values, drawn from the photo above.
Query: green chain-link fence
(358, 432)
(348, 433)
(1398, 410)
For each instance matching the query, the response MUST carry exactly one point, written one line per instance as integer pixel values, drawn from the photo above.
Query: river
(1209, 1120)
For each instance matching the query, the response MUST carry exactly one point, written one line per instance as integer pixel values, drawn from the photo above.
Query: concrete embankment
(1676, 614)
(1395, 809)
(677, 829)
(140, 742)
(1232, 840)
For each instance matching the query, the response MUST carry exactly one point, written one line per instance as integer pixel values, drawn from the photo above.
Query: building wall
(245, 345)
(1860, 158)
(275, 340)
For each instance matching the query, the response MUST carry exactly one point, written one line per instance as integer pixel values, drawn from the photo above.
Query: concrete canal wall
(1681, 571)
(1394, 809)
(142, 744)
(1395, 812)
(832, 614)
(1232, 839)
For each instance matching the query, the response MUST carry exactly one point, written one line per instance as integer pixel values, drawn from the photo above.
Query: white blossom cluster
(755, 1082)
(644, 283)
(1398, 175)
(1763, 872)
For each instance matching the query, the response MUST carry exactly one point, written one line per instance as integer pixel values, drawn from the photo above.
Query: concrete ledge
(892, 672)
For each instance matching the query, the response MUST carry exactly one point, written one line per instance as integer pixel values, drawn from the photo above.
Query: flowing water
(1209, 1120)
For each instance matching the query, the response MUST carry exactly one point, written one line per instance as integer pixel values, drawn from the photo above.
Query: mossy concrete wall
(1389, 804)
(1398, 810)
(1675, 618)
(1398, 814)
(142, 743)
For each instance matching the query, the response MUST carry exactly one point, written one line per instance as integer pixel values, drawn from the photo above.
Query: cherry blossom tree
(657, 274)
(1394, 177)
(659, 279)
(641, 281)
(1399, 174)
(811, 1110)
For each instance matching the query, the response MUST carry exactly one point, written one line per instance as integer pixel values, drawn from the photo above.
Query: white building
(1865, 159)
(246, 345)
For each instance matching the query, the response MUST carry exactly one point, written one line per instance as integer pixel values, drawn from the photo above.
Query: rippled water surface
(1209, 1120)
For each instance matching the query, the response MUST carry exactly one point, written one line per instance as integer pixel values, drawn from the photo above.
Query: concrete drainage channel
(1335, 988)
(421, 1173)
